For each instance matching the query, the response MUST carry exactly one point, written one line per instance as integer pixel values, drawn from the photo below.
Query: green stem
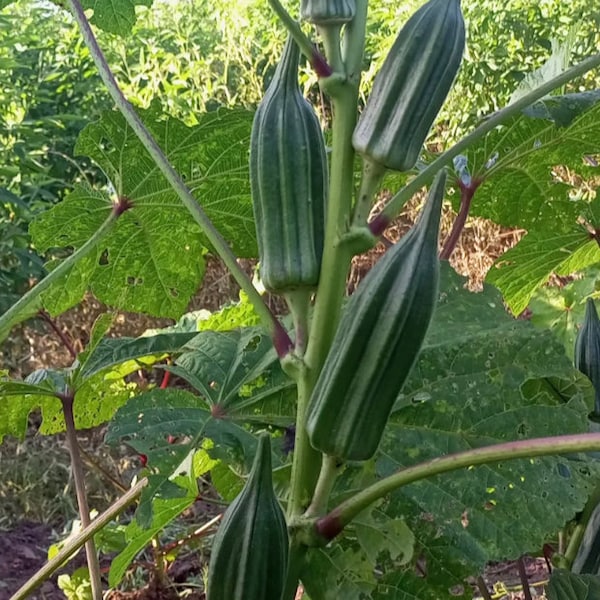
(82, 503)
(73, 544)
(296, 560)
(299, 303)
(333, 523)
(353, 42)
(29, 304)
(579, 531)
(330, 34)
(280, 338)
(325, 483)
(372, 174)
(304, 43)
(426, 175)
(306, 460)
(336, 261)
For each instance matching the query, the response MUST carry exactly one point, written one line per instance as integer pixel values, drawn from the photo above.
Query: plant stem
(333, 523)
(73, 544)
(66, 341)
(579, 531)
(325, 483)
(322, 69)
(330, 34)
(426, 175)
(523, 578)
(29, 304)
(466, 196)
(82, 503)
(299, 303)
(483, 590)
(280, 338)
(353, 43)
(336, 261)
(372, 174)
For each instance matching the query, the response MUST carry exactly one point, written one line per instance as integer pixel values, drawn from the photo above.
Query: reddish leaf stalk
(333, 523)
(66, 340)
(466, 196)
(166, 377)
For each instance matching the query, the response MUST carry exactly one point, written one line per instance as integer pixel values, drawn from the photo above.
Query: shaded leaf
(167, 426)
(561, 309)
(236, 370)
(498, 381)
(334, 573)
(563, 109)
(114, 351)
(377, 533)
(163, 511)
(565, 585)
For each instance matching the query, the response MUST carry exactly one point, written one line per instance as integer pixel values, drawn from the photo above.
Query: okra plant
(384, 446)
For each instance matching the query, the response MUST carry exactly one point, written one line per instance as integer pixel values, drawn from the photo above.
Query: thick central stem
(336, 261)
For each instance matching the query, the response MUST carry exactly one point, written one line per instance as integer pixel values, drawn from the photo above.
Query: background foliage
(498, 379)
(191, 57)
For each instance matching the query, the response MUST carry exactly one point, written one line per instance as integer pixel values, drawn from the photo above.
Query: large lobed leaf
(472, 387)
(152, 259)
(518, 164)
(482, 378)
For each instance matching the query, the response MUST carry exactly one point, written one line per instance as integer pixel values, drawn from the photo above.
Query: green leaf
(334, 573)
(377, 533)
(133, 266)
(561, 309)
(111, 352)
(527, 266)
(169, 425)
(554, 66)
(114, 16)
(70, 224)
(502, 381)
(563, 109)
(212, 157)
(96, 401)
(236, 370)
(565, 585)
(517, 162)
(404, 585)
(164, 510)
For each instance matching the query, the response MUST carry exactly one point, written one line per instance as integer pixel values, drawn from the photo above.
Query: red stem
(67, 342)
(466, 195)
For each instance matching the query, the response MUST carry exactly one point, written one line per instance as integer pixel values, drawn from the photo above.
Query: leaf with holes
(336, 572)
(134, 265)
(167, 426)
(473, 386)
(235, 371)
